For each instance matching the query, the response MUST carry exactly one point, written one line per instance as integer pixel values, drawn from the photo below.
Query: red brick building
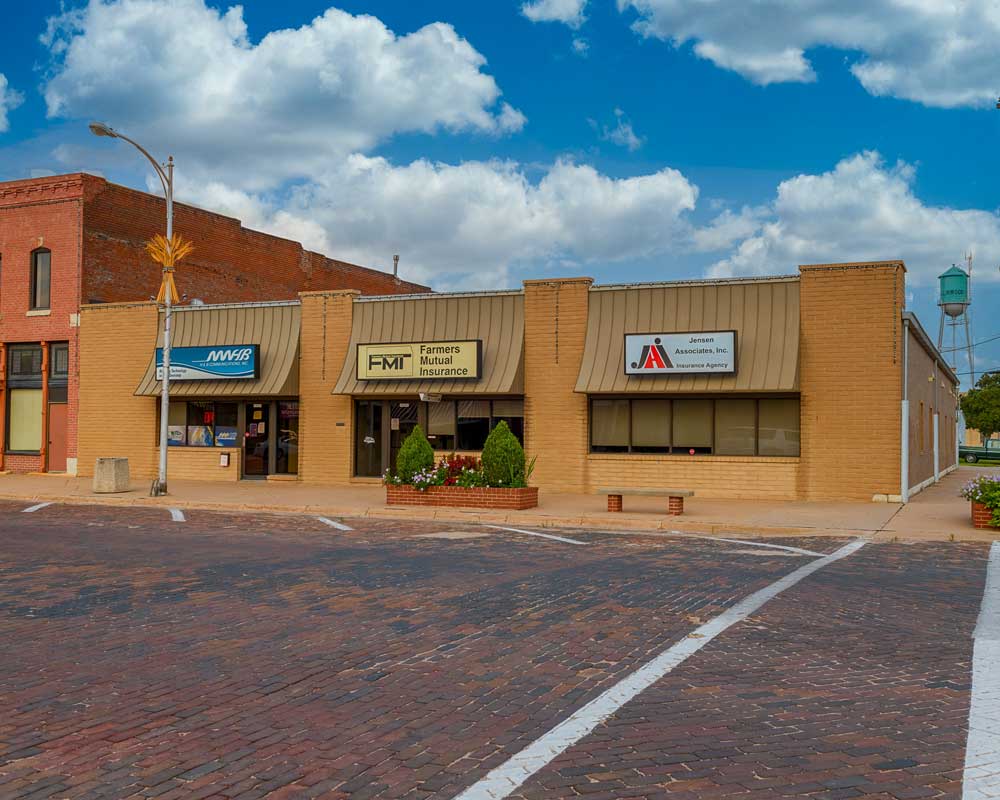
(74, 239)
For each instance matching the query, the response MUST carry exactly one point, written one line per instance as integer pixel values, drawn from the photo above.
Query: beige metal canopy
(763, 312)
(273, 326)
(497, 318)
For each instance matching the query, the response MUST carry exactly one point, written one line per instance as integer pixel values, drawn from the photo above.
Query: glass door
(402, 420)
(255, 451)
(368, 439)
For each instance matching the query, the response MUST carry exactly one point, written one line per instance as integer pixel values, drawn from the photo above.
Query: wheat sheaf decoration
(168, 252)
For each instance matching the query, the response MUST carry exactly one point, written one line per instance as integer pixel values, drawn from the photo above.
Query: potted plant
(983, 492)
(499, 480)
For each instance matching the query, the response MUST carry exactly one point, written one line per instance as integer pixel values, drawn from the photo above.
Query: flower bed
(462, 497)
(500, 480)
(984, 494)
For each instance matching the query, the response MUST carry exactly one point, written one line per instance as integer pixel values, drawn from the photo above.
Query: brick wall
(116, 344)
(199, 463)
(928, 391)
(326, 424)
(230, 263)
(851, 377)
(555, 416)
(42, 214)
(739, 477)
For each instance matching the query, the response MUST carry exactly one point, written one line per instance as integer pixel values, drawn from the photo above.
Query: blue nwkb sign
(220, 363)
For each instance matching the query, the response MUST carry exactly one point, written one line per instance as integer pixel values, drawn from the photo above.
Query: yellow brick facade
(851, 354)
(851, 368)
(116, 343)
(326, 421)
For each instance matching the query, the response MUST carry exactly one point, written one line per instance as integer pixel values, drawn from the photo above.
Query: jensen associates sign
(680, 353)
(420, 360)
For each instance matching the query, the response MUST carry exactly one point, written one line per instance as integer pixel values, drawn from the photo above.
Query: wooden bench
(675, 503)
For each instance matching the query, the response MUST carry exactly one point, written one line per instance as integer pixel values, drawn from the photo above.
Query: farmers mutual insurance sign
(420, 360)
(680, 353)
(231, 362)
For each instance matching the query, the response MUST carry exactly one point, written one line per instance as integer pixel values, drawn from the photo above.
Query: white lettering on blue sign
(218, 363)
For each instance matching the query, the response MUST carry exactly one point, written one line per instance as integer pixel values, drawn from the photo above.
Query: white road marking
(177, 515)
(981, 779)
(340, 526)
(33, 508)
(505, 779)
(750, 543)
(536, 533)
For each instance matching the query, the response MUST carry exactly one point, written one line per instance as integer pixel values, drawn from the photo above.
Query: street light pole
(167, 179)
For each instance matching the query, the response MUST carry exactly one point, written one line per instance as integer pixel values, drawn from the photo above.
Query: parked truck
(990, 449)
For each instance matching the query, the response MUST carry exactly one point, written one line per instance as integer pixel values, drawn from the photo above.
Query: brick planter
(981, 516)
(460, 496)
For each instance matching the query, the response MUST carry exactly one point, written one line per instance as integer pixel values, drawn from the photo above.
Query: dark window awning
(496, 318)
(272, 326)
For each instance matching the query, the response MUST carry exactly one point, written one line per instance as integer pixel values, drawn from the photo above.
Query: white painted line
(981, 779)
(31, 509)
(505, 779)
(536, 533)
(340, 526)
(750, 543)
(177, 515)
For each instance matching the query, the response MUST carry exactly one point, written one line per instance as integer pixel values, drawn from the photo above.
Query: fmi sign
(680, 353)
(436, 360)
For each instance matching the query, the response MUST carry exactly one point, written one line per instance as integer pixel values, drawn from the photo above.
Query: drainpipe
(937, 427)
(904, 450)
(43, 452)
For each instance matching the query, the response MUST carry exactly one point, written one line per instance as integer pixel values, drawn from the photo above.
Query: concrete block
(111, 475)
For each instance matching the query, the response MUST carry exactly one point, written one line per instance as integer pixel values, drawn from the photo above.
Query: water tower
(954, 300)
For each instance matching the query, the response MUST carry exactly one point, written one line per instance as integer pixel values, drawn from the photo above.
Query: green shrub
(416, 455)
(503, 458)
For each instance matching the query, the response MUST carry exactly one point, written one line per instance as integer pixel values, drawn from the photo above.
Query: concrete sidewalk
(937, 513)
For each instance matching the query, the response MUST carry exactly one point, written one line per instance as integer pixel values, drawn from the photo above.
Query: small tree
(503, 458)
(415, 455)
(981, 406)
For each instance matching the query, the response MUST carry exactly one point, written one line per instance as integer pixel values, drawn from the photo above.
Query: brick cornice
(42, 190)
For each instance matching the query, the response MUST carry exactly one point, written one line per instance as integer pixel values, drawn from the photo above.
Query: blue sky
(489, 142)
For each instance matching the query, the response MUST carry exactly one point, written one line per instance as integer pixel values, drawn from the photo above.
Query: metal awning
(272, 326)
(497, 318)
(764, 314)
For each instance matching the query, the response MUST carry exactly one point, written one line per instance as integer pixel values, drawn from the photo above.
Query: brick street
(251, 656)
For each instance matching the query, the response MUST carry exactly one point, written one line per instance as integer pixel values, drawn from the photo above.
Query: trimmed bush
(503, 458)
(415, 455)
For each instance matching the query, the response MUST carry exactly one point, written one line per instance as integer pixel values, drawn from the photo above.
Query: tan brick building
(814, 386)
(70, 240)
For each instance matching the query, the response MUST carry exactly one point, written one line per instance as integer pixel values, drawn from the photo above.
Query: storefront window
(609, 426)
(709, 425)
(203, 424)
(692, 426)
(651, 426)
(735, 427)
(25, 422)
(473, 424)
(288, 437)
(779, 427)
(511, 412)
(441, 425)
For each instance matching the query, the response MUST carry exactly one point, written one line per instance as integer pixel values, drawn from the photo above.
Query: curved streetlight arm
(167, 188)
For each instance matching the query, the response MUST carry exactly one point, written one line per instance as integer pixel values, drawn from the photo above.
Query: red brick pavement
(246, 657)
(854, 683)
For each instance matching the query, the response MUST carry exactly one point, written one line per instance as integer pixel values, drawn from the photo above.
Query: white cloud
(581, 46)
(569, 12)
(260, 113)
(622, 134)
(861, 210)
(9, 100)
(470, 224)
(934, 52)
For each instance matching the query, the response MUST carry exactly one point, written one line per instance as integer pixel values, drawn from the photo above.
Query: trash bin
(111, 475)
